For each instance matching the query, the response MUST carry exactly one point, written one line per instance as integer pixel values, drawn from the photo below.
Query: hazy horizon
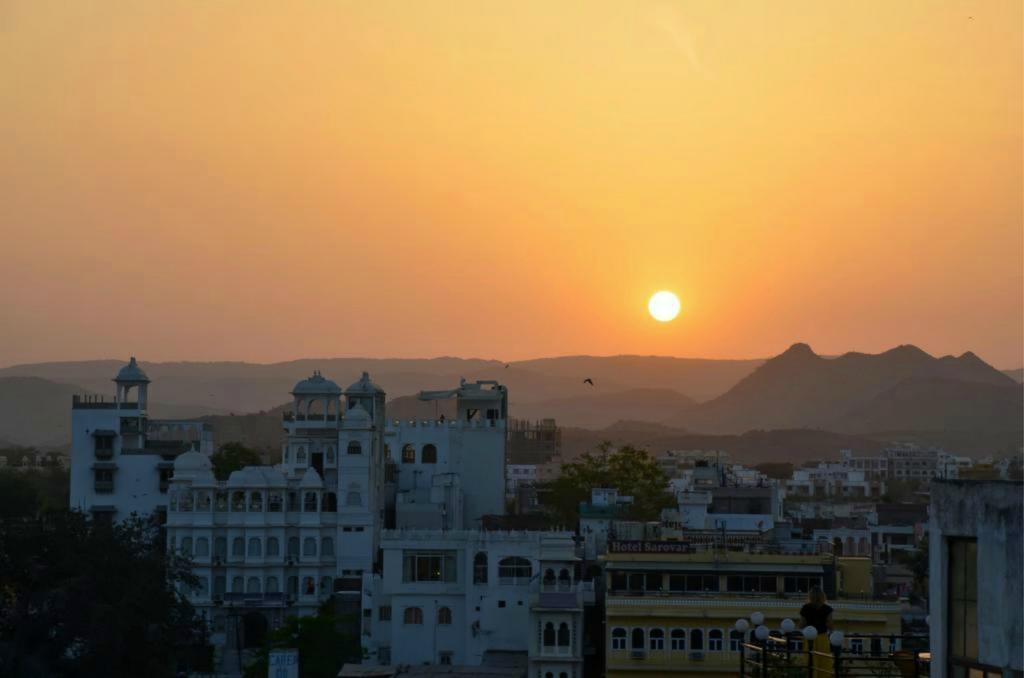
(259, 182)
(168, 361)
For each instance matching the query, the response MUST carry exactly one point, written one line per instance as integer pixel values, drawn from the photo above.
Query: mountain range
(902, 393)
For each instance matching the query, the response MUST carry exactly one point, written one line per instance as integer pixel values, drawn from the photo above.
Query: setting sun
(664, 306)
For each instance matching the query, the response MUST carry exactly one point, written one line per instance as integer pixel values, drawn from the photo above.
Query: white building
(834, 480)
(276, 541)
(121, 460)
(454, 597)
(975, 544)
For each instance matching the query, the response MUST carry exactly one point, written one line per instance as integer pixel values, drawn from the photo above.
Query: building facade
(975, 561)
(455, 597)
(671, 606)
(121, 460)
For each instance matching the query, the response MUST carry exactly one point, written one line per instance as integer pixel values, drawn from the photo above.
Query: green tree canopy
(322, 644)
(79, 598)
(631, 471)
(231, 457)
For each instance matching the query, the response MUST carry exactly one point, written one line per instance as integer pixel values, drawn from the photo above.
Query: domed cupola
(357, 417)
(364, 386)
(316, 385)
(129, 377)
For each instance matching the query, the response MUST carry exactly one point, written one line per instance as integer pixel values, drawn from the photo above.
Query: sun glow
(664, 306)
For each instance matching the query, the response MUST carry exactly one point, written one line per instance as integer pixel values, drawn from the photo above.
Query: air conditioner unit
(638, 654)
(696, 656)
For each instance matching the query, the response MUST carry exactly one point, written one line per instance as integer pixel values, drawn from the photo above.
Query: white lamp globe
(788, 625)
(757, 619)
(761, 632)
(810, 633)
(742, 625)
(836, 638)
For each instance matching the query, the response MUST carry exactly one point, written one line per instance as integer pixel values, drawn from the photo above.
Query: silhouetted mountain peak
(798, 350)
(907, 351)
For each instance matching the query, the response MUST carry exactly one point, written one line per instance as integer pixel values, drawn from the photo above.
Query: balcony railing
(876, 655)
(103, 486)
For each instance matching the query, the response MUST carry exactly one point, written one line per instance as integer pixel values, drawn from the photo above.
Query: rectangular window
(963, 602)
(425, 566)
(752, 584)
(384, 613)
(445, 658)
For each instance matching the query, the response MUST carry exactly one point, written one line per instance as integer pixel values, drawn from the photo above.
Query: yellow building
(670, 607)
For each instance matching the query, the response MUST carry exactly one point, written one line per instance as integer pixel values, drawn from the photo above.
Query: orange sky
(264, 180)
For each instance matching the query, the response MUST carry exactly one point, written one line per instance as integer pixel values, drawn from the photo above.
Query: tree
(82, 598)
(631, 471)
(231, 457)
(324, 647)
(23, 494)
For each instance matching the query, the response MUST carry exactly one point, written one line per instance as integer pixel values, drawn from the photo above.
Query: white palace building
(382, 517)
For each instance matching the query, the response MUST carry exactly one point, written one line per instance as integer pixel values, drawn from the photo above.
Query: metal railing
(791, 656)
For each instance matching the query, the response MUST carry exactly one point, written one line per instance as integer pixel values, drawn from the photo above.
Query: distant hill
(1017, 375)
(904, 388)
(248, 387)
(35, 412)
(596, 409)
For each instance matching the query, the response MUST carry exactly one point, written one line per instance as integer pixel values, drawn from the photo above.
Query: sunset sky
(265, 181)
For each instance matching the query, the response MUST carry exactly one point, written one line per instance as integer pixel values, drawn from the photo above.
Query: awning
(104, 433)
(103, 466)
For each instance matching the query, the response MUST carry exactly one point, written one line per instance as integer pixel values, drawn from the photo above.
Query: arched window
(444, 616)
(293, 546)
(309, 546)
(564, 579)
(637, 639)
(253, 585)
(657, 638)
(514, 570)
(202, 546)
(678, 638)
(273, 546)
(549, 577)
(408, 454)
(619, 638)
(412, 615)
(696, 639)
(715, 640)
(238, 501)
(735, 640)
(272, 586)
(237, 584)
(428, 455)
(327, 547)
(330, 454)
(256, 501)
(300, 455)
(549, 635)
(480, 568)
(255, 547)
(275, 502)
(238, 547)
(325, 586)
(309, 502)
(220, 547)
(330, 502)
(354, 447)
(563, 635)
(186, 547)
(308, 586)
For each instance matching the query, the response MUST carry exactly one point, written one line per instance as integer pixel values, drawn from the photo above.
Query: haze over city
(262, 182)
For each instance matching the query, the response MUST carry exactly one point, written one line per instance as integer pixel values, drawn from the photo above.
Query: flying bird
(588, 380)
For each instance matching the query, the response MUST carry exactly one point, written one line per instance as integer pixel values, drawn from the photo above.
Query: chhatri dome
(132, 372)
(316, 385)
(363, 385)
